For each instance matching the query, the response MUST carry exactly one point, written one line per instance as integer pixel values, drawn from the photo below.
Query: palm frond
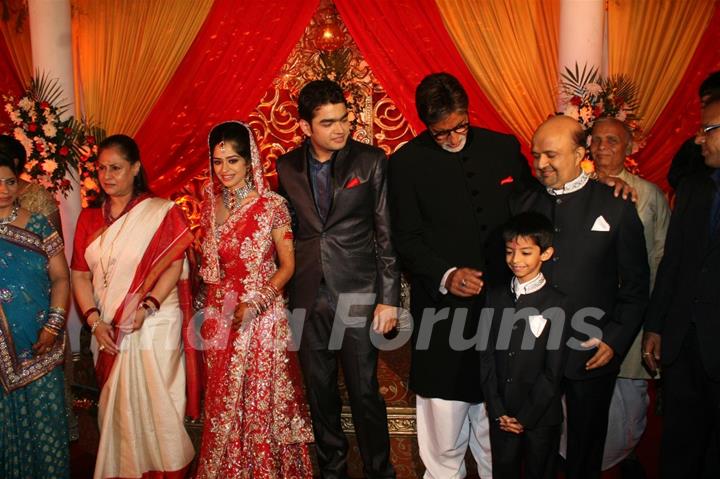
(44, 88)
(575, 81)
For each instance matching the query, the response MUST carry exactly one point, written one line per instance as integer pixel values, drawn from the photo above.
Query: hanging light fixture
(328, 35)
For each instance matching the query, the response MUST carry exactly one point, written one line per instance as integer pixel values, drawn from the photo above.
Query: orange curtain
(17, 38)
(653, 41)
(511, 47)
(126, 52)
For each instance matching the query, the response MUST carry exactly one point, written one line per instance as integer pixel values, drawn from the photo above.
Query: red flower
(67, 130)
(65, 183)
(39, 147)
(32, 127)
(90, 140)
(44, 105)
(64, 151)
(575, 100)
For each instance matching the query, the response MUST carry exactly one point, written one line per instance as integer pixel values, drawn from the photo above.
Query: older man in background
(611, 142)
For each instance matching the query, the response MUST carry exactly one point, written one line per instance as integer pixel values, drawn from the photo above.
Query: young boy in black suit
(524, 363)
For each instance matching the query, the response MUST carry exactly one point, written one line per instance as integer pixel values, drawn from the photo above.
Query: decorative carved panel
(375, 118)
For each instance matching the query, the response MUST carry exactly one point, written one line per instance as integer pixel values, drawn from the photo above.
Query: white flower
(572, 112)
(49, 166)
(15, 117)
(49, 130)
(9, 108)
(20, 136)
(622, 114)
(25, 103)
(586, 114)
(49, 116)
(593, 88)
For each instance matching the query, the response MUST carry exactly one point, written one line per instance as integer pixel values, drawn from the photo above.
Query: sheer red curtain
(9, 79)
(680, 118)
(403, 41)
(223, 76)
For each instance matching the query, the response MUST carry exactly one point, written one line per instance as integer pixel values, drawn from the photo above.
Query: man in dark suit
(449, 188)
(689, 160)
(684, 314)
(600, 262)
(337, 191)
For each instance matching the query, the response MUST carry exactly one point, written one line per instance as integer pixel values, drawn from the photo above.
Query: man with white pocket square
(600, 263)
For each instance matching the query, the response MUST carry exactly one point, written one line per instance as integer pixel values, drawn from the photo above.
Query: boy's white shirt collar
(528, 287)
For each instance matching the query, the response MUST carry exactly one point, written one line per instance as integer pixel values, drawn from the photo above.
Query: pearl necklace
(233, 198)
(12, 216)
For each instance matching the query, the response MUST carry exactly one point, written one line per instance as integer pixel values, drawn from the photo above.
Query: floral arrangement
(586, 96)
(48, 140)
(87, 151)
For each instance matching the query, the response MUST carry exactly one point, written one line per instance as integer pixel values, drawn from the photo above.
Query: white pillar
(51, 37)
(582, 26)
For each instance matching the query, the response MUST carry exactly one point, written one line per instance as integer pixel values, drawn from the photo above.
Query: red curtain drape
(9, 79)
(681, 116)
(223, 76)
(405, 40)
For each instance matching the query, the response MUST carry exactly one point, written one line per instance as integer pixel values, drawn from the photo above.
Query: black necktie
(322, 183)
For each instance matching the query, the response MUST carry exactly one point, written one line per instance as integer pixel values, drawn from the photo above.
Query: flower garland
(48, 140)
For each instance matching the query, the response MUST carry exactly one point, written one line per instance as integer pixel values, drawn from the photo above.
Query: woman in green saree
(34, 291)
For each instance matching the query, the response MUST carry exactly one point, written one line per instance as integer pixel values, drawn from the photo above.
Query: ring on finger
(463, 283)
(102, 346)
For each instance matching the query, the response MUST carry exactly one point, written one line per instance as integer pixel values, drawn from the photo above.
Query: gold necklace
(106, 271)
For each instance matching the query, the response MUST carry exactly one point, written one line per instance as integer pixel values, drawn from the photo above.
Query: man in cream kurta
(611, 142)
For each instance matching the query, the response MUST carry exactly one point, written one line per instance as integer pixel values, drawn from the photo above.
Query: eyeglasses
(705, 130)
(460, 129)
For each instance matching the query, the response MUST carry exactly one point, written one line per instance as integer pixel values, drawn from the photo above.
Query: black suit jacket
(352, 250)
(447, 211)
(518, 382)
(687, 288)
(607, 270)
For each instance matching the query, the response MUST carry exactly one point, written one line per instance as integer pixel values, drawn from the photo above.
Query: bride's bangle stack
(262, 299)
(56, 321)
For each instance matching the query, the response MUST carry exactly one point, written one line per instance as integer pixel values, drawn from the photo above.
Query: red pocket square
(352, 183)
(507, 180)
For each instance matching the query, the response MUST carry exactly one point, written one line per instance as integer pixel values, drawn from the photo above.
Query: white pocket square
(537, 324)
(600, 224)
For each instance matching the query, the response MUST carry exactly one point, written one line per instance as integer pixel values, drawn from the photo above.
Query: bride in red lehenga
(256, 418)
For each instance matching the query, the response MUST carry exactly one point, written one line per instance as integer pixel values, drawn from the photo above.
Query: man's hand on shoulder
(619, 186)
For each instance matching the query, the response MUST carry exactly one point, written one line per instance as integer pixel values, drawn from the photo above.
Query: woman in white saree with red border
(128, 271)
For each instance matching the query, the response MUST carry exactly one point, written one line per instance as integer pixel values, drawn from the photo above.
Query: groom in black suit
(346, 277)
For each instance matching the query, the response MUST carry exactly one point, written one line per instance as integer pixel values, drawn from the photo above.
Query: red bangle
(90, 311)
(153, 300)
